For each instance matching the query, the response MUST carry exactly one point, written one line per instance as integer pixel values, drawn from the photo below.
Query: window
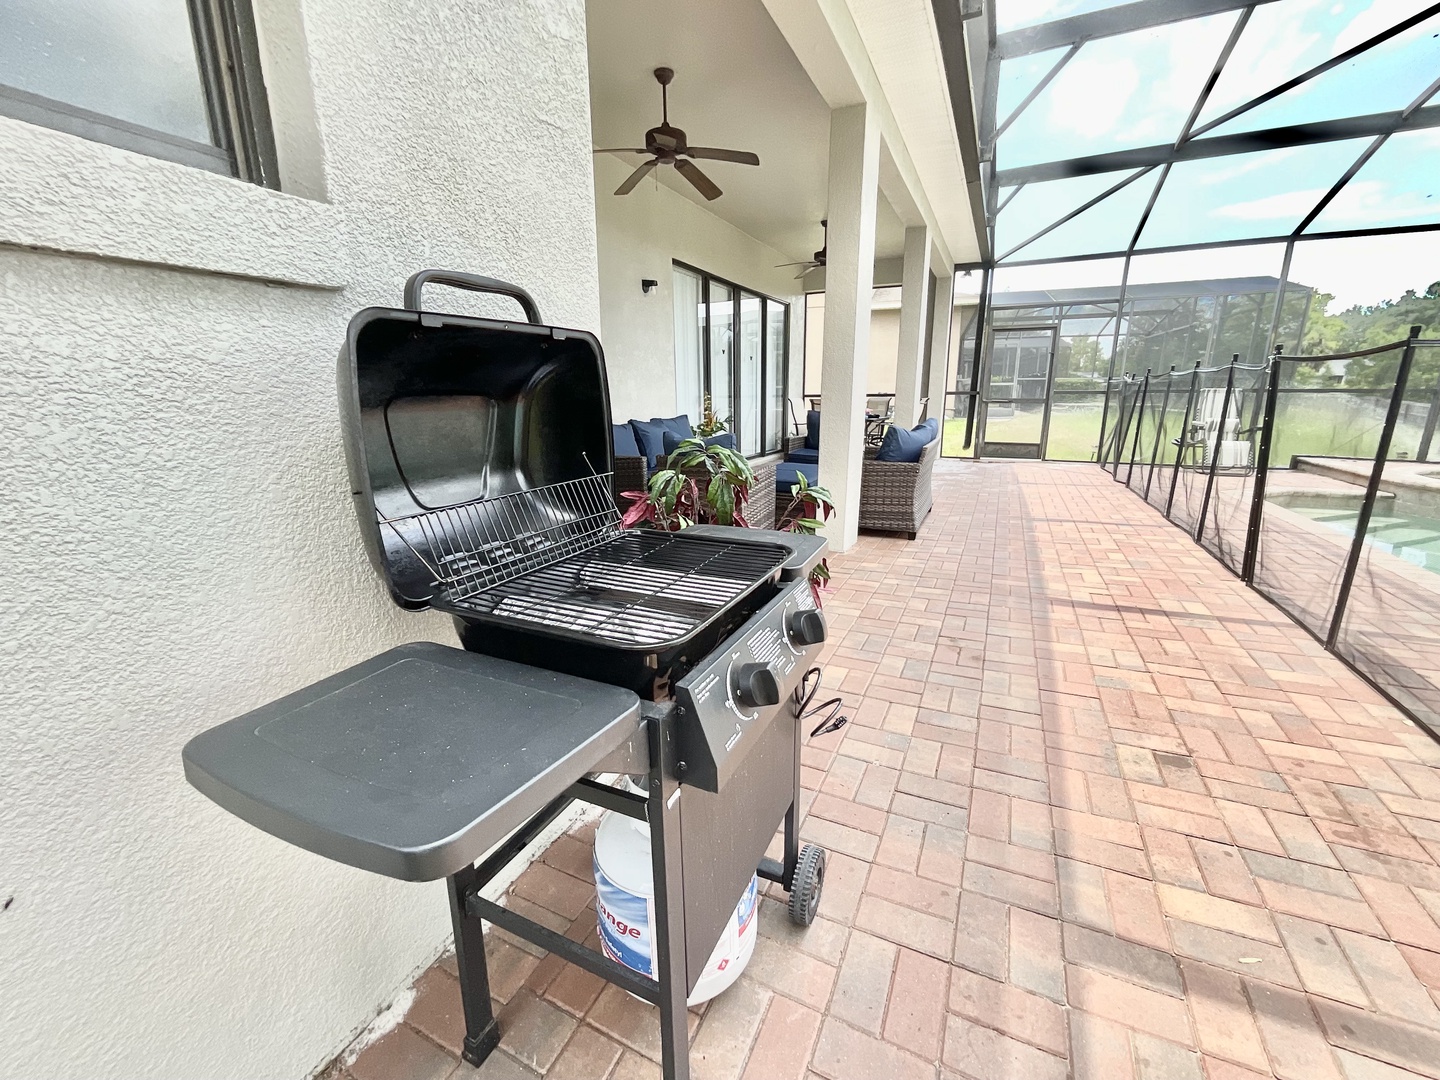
(732, 344)
(175, 79)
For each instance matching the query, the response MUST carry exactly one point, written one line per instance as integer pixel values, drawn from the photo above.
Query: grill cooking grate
(474, 546)
(639, 589)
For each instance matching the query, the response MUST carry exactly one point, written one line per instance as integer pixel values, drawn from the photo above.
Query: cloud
(1292, 205)
(1088, 97)
(1274, 46)
(1373, 202)
(1015, 13)
(1380, 15)
(1245, 163)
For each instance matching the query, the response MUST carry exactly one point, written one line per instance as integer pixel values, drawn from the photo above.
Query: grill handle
(473, 282)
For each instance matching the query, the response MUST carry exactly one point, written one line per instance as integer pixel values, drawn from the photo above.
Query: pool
(1414, 539)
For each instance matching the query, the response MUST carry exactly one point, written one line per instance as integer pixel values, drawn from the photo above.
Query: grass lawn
(1074, 434)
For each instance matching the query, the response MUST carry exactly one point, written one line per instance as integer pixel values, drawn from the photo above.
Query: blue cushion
(650, 435)
(902, 445)
(623, 437)
(812, 430)
(804, 456)
(670, 441)
(680, 425)
(787, 472)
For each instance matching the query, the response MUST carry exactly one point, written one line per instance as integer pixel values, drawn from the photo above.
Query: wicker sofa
(895, 495)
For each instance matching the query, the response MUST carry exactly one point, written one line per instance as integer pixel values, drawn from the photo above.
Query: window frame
(736, 367)
(227, 50)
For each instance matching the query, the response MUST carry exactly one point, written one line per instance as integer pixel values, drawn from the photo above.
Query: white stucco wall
(182, 547)
(640, 236)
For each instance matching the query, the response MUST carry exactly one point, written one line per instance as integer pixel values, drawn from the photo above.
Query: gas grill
(480, 460)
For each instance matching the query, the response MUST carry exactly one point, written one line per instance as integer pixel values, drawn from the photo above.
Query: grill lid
(478, 448)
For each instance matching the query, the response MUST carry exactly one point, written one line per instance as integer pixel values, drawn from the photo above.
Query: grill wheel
(806, 885)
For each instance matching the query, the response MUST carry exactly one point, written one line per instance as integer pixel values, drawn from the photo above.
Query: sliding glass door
(777, 353)
(751, 388)
(734, 345)
(720, 373)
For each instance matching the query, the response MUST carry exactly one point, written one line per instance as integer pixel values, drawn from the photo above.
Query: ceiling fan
(816, 261)
(667, 146)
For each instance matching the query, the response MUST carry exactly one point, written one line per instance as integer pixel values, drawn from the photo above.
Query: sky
(1138, 89)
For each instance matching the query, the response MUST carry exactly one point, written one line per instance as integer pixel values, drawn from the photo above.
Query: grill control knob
(756, 685)
(806, 627)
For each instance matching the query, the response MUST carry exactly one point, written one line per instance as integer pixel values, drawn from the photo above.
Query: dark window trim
(736, 289)
(227, 49)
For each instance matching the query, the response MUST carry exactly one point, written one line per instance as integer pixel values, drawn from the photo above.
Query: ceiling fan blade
(798, 262)
(619, 150)
(710, 153)
(702, 183)
(635, 177)
(806, 271)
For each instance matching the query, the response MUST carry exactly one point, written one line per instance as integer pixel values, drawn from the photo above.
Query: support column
(944, 300)
(849, 283)
(914, 305)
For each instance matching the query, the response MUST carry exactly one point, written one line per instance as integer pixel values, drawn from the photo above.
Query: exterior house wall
(884, 346)
(183, 546)
(640, 236)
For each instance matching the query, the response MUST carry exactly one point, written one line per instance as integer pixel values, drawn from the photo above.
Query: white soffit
(737, 85)
(904, 49)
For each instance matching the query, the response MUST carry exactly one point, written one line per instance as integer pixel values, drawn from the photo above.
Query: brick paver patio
(1101, 812)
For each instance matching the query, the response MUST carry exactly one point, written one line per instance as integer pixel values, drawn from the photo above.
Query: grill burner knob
(806, 628)
(756, 685)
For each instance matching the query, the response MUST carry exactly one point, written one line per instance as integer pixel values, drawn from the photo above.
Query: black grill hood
(438, 410)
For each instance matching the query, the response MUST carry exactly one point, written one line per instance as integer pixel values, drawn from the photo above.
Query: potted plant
(710, 424)
(809, 508)
(673, 499)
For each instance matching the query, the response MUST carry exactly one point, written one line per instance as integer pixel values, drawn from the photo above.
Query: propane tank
(625, 909)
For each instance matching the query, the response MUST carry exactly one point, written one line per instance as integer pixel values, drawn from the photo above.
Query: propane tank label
(624, 920)
(745, 910)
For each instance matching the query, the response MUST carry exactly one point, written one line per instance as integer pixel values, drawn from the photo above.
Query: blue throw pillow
(623, 438)
(902, 445)
(650, 436)
(786, 474)
(931, 425)
(812, 430)
(670, 441)
(804, 456)
(680, 425)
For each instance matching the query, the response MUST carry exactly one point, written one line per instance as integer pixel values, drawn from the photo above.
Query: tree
(1366, 326)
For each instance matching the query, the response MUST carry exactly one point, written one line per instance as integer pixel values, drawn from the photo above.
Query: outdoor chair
(895, 496)
(1219, 445)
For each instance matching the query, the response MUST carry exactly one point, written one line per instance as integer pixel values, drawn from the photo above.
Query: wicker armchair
(895, 495)
(632, 475)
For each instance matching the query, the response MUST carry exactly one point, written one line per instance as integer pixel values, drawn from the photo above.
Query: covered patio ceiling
(738, 84)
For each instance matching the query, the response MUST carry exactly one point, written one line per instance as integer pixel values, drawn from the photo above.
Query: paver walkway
(1101, 812)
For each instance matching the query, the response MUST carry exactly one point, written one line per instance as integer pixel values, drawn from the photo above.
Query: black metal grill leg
(669, 929)
(482, 1033)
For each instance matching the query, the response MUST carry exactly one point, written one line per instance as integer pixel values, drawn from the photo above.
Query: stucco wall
(884, 345)
(182, 547)
(640, 235)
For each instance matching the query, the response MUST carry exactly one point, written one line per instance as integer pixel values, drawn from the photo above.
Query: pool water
(1414, 539)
